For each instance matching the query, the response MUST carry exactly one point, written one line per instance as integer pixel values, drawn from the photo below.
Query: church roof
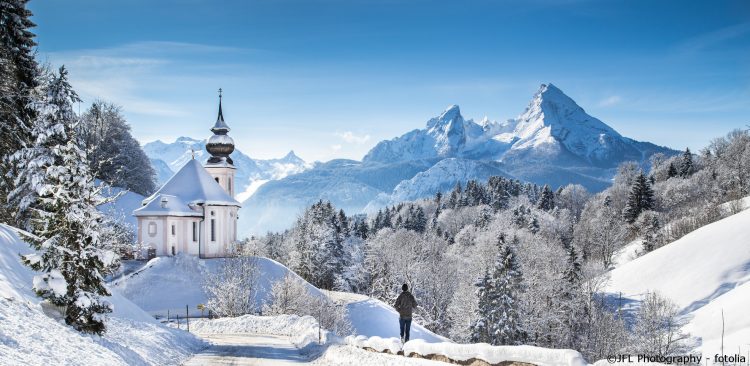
(182, 194)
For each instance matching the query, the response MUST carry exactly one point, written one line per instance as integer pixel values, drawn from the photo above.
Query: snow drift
(28, 336)
(703, 272)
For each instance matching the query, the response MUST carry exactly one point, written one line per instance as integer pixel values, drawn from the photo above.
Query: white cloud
(336, 147)
(710, 39)
(351, 138)
(610, 101)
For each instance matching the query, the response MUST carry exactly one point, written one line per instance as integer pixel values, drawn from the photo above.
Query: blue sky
(330, 78)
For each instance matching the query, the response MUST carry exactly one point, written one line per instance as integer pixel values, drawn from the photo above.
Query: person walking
(405, 304)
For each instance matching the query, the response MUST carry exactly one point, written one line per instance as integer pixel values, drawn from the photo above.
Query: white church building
(195, 211)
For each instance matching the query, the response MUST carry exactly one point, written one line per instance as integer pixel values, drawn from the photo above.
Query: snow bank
(702, 272)
(30, 337)
(302, 331)
(466, 352)
(388, 345)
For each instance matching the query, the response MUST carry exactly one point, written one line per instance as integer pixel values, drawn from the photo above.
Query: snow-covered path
(248, 349)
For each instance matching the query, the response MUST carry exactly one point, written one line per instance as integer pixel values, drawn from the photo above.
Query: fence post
(187, 318)
(178, 320)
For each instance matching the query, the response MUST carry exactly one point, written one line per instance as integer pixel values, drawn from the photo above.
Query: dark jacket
(405, 304)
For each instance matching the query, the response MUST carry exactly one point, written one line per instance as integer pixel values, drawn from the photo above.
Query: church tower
(220, 145)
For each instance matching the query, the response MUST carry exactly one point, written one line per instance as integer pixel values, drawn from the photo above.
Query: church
(195, 211)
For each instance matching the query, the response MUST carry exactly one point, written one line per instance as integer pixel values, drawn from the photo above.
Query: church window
(217, 179)
(213, 229)
(195, 231)
(173, 230)
(229, 184)
(151, 228)
(172, 249)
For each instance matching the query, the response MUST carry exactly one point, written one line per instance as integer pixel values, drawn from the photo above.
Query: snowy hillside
(30, 334)
(170, 157)
(553, 141)
(703, 272)
(170, 283)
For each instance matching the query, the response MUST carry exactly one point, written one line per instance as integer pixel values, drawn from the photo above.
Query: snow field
(703, 272)
(33, 334)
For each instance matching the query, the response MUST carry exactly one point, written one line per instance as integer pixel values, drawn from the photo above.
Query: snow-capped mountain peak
(553, 124)
(448, 131)
(292, 158)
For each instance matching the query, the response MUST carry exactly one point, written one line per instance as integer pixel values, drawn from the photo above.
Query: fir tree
(672, 171)
(547, 199)
(19, 75)
(641, 198)
(686, 165)
(56, 188)
(499, 321)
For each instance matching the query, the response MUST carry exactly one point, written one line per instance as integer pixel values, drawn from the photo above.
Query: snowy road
(248, 349)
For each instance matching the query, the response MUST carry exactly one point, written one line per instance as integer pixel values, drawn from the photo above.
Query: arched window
(217, 179)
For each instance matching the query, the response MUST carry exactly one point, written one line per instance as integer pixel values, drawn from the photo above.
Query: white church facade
(195, 211)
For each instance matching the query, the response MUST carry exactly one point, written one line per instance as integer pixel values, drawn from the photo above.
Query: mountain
(553, 141)
(168, 158)
(552, 130)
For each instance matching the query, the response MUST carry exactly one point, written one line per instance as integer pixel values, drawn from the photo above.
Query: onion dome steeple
(220, 145)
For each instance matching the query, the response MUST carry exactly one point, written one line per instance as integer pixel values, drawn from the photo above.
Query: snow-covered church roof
(183, 194)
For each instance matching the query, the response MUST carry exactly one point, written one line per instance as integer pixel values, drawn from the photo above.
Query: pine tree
(547, 199)
(19, 74)
(641, 198)
(672, 171)
(481, 328)
(113, 154)
(686, 165)
(572, 307)
(56, 187)
(498, 317)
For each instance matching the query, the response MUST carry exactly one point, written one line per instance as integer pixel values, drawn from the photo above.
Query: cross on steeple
(220, 93)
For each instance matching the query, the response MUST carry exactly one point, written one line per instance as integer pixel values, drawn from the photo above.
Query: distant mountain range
(553, 141)
(168, 158)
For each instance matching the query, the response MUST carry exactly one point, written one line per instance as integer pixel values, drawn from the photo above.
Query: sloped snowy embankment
(703, 272)
(30, 337)
(170, 283)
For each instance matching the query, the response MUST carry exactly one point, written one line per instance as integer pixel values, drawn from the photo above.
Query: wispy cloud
(610, 101)
(351, 138)
(126, 74)
(707, 40)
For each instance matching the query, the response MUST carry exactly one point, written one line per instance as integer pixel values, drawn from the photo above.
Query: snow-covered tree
(291, 295)
(547, 199)
(231, 290)
(56, 188)
(686, 165)
(112, 153)
(658, 328)
(641, 198)
(19, 77)
(499, 319)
